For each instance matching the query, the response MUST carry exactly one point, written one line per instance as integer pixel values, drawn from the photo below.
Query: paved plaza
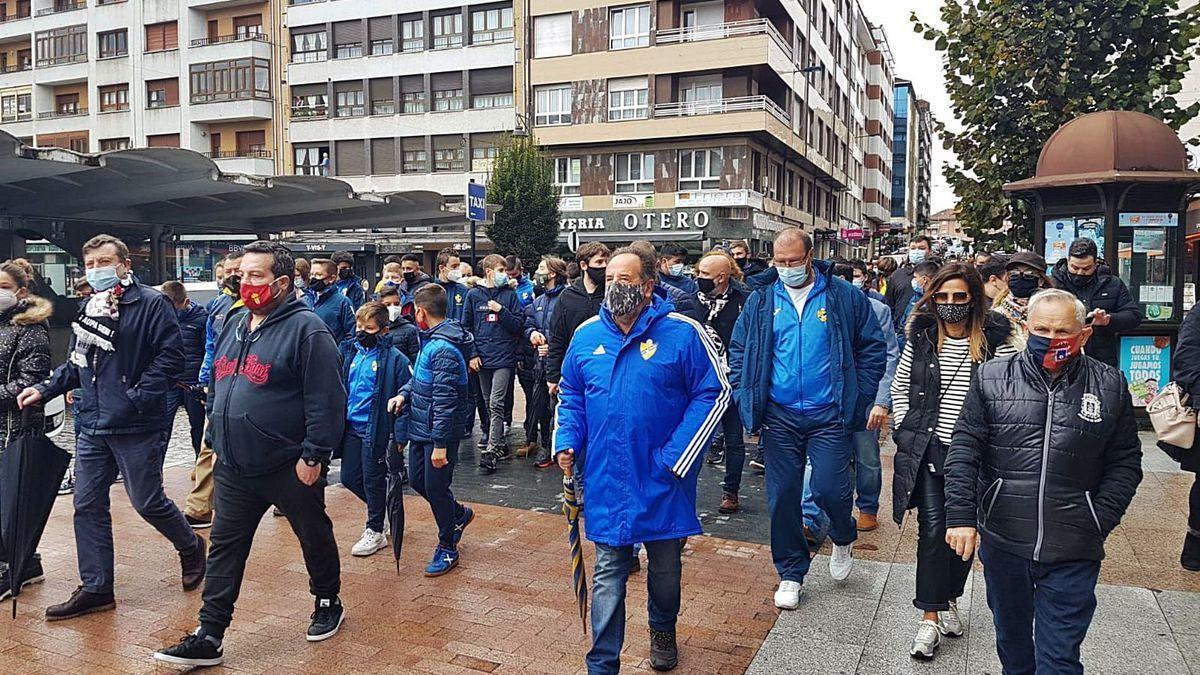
(509, 609)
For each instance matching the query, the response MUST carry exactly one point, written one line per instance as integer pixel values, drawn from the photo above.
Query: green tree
(1016, 71)
(522, 182)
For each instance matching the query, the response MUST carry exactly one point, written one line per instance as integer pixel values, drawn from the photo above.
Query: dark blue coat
(859, 351)
(337, 312)
(497, 334)
(122, 392)
(456, 298)
(394, 372)
(437, 400)
(352, 290)
(537, 314)
(193, 326)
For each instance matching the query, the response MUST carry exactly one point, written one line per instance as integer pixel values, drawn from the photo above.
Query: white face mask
(8, 299)
(393, 312)
(453, 275)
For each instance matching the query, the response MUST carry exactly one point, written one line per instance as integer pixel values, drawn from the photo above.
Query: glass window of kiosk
(1146, 262)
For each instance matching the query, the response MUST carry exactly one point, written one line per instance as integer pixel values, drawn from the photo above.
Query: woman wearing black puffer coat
(1187, 376)
(950, 333)
(24, 360)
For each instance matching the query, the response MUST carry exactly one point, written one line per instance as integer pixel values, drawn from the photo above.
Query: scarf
(714, 306)
(96, 325)
(1013, 307)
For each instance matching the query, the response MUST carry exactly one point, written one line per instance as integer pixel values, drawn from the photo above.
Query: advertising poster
(1149, 241)
(1059, 234)
(1092, 228)
(1148, 220)
(1146, 362)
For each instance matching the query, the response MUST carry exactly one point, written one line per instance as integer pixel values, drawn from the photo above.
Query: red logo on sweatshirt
(255, 371)
(223, 367)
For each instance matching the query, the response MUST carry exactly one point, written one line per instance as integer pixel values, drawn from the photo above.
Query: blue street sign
(476, 201)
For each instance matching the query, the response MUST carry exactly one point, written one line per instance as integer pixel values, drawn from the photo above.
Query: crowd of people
(996, 376)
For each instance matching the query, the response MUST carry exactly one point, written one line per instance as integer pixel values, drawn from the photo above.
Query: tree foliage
(522, 182)
(1016, 71)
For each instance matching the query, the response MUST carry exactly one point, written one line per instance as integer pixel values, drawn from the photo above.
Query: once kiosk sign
(637, 221)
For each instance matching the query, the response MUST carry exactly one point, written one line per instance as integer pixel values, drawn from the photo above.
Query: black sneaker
(664, 653)
(544, 459)
(716, 455)
(33, 575)
(81, 602)
(67, 486)
(502, 453)
(403, 474)
(196, 650)
(759, 463)
(487, 463)
(192, 565)
(327, 618)
(199, 523)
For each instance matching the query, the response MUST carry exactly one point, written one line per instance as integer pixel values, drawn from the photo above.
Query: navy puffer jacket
(436, 398)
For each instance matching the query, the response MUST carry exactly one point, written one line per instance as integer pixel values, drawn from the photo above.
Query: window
(350, 104)
(414, 161)
(483, 154)
(310, 100)
(635, 172)
(310, 47)
(24, 106)
(162, 93)
(110, 144)
(492, 100)
(491, 25)
(311, 161)
(700, 169)
(382, 32)
(113, 43)
(252, 143)
(14, 108)
(161, 37)
(163, 141)
(566, 175)
(383, 98)
(114, 97)
(412, 35)
(629, 27)
(62, 45)
(448, 159)
(347, 39)
(552, 105)
(247, 27)
(491, 87)
(628, 99)
(349, 50)
(448, 99)
(701, 93)
(447, 31)
(381, 46)
(413, 102)
(551, 35)
(233, 80)
(68, 104)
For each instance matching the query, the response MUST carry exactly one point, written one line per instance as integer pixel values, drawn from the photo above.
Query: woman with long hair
(950, 333)
(24, 361)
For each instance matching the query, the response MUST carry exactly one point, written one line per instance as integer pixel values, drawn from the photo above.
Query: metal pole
(474, 228)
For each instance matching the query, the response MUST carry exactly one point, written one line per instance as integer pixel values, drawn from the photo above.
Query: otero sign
(636, 221)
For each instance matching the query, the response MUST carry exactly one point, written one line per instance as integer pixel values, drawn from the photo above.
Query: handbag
(1173, 420)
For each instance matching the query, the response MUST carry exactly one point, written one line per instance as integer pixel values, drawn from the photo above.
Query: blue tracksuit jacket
(337, 312)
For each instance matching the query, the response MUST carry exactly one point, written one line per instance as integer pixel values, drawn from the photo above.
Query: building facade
(109, 75)
(877, 144)
(912, 160)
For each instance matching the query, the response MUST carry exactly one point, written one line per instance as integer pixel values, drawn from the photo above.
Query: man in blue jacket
(346, 281)
(806, 358)
(124, 357)
(334, 308)
(193, 321)
(670, 269)
(493, 315)
(448, 277)
(641, 394)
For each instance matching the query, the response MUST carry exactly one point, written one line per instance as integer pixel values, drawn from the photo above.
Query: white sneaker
(787, 596)
(370, 542)
(950, 621)
(927, 639)
(841, 562)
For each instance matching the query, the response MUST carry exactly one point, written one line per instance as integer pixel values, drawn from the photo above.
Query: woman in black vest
(950, 333)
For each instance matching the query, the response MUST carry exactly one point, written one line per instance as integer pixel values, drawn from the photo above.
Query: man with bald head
(720, 306)
(806, 358)
(1044, 460)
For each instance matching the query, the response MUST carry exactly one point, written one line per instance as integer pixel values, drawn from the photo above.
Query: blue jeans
(365, 475)
(1060, 598)
(434, 485)
(608, 597)
(179, 398)
(791, 440)
(139, 458)
(735, 449)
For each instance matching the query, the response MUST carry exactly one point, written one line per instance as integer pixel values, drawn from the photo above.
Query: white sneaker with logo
(926, 641)
(951, 622)
(788, 594)
(841, 562)
(370, 542)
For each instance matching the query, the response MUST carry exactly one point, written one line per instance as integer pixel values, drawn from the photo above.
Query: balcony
(724, 30)
(6, 68)
(224, 47)
(719, 106)
(251, 162)
(61, 6)
(242, 110)
(222, 39)
(310, 112)
(57, 114)
(5, 18)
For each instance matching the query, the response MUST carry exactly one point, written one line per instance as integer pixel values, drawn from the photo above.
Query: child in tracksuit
(437, 402)
(374, 372)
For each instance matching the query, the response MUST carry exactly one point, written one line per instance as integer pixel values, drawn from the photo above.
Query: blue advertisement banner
(1146, 362)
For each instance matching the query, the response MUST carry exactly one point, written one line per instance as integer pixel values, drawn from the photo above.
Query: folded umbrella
(395, 502)
(578, 575)
(31, 469)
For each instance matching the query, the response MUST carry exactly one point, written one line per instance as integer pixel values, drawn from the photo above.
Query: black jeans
(241, 502)
(735, 449)
(528, 380)
(539, 411)
(434, 485)
(1194, 508)
(941, 573)
(178, 397)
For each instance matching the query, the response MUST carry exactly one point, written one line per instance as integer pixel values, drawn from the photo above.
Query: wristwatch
(313, 462)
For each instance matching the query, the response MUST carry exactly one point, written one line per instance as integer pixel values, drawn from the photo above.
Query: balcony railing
(222, 39)
(15, 67)
(310, 112)
(19, 117)
(724, 30)
(13, 17)
(248, 154)
(62, 60)
(62, 6)
(55, 114)
(723, 105)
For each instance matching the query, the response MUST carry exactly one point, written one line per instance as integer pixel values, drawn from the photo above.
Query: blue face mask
(916, 255)
(676, 270)
(102, 278)
(500, 279)
(793, 276)
(916, 286)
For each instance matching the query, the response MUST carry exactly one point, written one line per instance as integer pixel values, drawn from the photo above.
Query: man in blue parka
(641, 394)
(806, 358)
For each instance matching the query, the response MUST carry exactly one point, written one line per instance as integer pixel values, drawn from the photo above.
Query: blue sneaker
(444, 560)
(461, 524)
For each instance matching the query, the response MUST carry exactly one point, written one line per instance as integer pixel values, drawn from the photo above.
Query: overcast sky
(917, 60)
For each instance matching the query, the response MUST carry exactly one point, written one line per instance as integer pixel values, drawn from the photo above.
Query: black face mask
(596, 274)
(1022, 287)
(233, 283)
(953, 312)
(410, 277)
(345, 273)
(317, 285)
(742, 262)
(367, 340)
(707, 286)
(1081, 279)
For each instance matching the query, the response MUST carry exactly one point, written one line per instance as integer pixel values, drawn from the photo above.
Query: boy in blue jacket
(335, 309)
(437, 405)
(374, 372)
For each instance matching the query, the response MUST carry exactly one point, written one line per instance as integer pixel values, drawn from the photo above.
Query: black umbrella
(395, 501)
(31, 469)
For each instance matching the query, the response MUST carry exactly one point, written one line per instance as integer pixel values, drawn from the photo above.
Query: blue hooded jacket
(392, 372)
(856, 350)
(525, 291)
(639, 411)
(193, 327)
(352, 290)
(456, 298)
(436, 398)
(218, 308)
(497, 334)
(337, 312)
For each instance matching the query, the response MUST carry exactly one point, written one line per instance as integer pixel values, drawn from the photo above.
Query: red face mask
(421, 323)
(256, 296)
(1059, 351)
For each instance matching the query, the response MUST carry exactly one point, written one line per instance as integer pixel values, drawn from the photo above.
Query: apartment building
(96, 75)
(912, 159)
(877, 162)
(415, 95)
(696, 122)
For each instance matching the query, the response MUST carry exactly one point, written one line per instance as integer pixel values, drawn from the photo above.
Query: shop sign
(633, 201)
(719, 198)
(851, 234)
(607, 221)
(1146, 362)
(1148, 220)
(570, 203)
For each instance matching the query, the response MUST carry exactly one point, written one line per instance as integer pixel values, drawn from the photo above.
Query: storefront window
(1146, 261)
(194, 261)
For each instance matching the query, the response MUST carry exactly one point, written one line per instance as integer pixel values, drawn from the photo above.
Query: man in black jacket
(578, 302)
(1044, 460)
(277, 410)
(899, 287)
(1110, 305)
(124, 358)
(186, 394)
